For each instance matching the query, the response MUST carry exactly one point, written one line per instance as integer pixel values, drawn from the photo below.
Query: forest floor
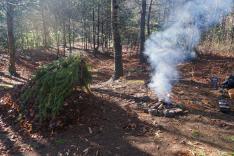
(110, 121)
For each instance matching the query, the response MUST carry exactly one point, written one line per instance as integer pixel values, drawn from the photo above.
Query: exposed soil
(111, 121)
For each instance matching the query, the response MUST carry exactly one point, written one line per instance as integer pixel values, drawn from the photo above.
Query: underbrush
(217, 49)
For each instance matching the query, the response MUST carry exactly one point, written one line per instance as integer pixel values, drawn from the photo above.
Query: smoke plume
(176, 43)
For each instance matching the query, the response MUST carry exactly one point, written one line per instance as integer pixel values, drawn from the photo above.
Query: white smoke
(176, 43)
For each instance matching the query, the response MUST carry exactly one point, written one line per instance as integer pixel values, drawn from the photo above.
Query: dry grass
(218, 49)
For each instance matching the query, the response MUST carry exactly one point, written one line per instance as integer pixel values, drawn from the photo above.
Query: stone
(155, 112)
(178, 111)
(172, 112)
(162, 108)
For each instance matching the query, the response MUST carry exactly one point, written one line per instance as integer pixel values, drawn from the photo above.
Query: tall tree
(64, 37)
(149, 17)
(11, 39)
(98, 28)
(94, 31)
(117, 40)
(44, 23)
(142, 31)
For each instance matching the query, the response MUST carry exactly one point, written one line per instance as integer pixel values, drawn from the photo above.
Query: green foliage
(53, 83)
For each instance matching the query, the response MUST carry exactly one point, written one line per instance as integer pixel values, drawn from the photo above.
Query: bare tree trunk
(102, 32)
(142, 31)
(106, 35)
(64, 38)
(117, 41)
(98, 29)
(94, 31)
(56, 29)
(149, 17)
(58, 38)
(232, 36)
(86, 42)
(11, 39)
(73, 35)
(70, 39)
(89, 38)
(45, 33)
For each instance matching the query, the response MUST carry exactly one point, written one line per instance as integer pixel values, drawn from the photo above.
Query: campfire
(166, 109)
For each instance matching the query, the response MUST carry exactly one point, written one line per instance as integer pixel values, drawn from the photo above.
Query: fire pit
(166, 109)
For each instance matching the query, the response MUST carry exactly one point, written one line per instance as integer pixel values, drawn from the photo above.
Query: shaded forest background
(62, 24)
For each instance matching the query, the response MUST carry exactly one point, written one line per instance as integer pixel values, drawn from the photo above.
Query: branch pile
(45, 94)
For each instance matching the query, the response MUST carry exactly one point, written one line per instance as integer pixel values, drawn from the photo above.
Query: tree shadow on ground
(193, 83)
(103, 128)
(100, 76)
(8, 144)
(228, 117)
(123, 95)
(217, 58)
(12, 78)
(110, 124)
(21, 138)
(202, 139)
(210, 115)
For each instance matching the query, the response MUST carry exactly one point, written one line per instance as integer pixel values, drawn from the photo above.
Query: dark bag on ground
(229, 83)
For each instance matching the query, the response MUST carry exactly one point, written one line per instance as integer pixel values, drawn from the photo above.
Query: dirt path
(112, 123)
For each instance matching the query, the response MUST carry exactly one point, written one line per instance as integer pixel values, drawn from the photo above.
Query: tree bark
(94, 31)
(69, 36)
(56, 29)
(64, 38)
(58, 51)
(98, 29)
(149, 17)
(102, 34)
(117, 41)
(73, 35)
(142, 31)
(232, 36)
(11, 39)
(44, 25)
